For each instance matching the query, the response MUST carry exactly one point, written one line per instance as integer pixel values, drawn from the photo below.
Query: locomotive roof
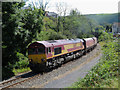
(59, 42)
(88, 39)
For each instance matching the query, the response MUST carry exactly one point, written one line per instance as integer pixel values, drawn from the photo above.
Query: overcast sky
(86, 6)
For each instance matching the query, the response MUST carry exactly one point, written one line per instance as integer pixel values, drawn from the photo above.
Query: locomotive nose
(37, 58)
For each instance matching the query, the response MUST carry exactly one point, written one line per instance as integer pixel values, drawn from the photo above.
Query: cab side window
(48, 50)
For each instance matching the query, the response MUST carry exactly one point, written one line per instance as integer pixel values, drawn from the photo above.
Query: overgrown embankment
(105, 73)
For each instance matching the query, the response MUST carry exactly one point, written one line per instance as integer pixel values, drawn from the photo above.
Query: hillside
(103, 18)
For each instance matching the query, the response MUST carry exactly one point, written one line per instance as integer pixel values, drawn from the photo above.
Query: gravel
(45, 80)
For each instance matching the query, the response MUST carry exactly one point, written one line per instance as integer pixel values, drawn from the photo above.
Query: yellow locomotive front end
(37, 57)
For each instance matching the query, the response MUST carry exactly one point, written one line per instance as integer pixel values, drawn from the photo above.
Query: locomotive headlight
(30, 60)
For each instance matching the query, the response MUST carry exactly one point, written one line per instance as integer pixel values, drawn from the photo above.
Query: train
(46, 54)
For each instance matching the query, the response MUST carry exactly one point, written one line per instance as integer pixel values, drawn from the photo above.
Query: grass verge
(21, 66)
(22, 70)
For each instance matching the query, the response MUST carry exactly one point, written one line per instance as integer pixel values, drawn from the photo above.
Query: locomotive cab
(36, 53)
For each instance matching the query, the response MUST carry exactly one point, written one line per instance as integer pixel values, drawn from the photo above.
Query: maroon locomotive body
(48, 53)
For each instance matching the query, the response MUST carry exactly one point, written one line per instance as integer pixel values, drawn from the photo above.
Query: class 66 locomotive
(46, 54)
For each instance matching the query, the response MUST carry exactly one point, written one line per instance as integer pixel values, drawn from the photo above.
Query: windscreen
(39, 50)
(32, 51)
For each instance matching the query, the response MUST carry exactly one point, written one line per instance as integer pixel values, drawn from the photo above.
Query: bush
(105, 36)
(22, 63)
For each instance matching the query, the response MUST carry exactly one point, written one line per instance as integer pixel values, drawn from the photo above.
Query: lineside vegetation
(105, 73)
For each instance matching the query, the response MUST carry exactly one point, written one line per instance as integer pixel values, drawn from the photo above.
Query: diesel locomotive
(46, 54)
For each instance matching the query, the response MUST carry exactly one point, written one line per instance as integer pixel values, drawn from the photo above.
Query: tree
(108, 27)
(65, 8)
(59, 11)
(92, 25)
(74, 12)
(61, 8)
(78, 24)
(20, 27)
(9, 25)
(41, 4)
(9, 39)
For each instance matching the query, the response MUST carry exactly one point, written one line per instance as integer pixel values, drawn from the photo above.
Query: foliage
(102, 34)
(50, 35)
(7, 72)
(49, 30)
(105, 36)
(74, 12)
(8, 29)
(105, 72)
(78, 25)
(22, 70)
(108, 27)
(31, 24)
(19, 27)
(49, 23)
(22, 61)
(21, 65)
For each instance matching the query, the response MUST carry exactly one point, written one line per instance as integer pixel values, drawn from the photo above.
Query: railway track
(18, 80)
